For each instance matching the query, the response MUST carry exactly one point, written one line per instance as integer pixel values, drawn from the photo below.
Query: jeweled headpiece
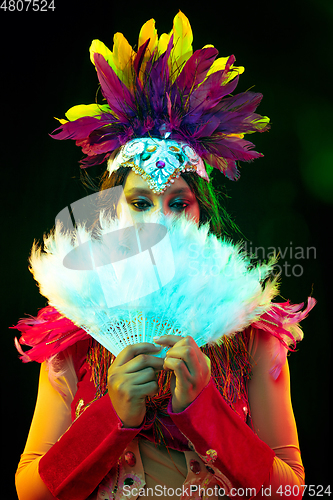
(159, 161)
(167, 109)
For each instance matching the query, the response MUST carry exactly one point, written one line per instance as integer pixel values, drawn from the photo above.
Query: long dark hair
(209, 199)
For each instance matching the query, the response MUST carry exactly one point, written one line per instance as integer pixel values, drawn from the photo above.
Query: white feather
(214, 291)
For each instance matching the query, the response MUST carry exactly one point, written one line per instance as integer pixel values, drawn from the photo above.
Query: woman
(199, 423)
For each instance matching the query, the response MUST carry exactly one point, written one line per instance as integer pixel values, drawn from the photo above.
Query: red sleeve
(226, 444)
(88, 450)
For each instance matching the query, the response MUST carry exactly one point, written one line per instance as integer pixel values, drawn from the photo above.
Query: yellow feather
(120, 59)
(148, 31)
(98, 47)
(183, 36)
(234, 71)
(123, 55)
(81, 110)
(182, 43)
(163, 43)
(61, 120)
(260, 123)
(220, 63)
(240, 136)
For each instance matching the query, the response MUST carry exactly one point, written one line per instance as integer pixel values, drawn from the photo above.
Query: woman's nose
(161, 206)
(166, 210)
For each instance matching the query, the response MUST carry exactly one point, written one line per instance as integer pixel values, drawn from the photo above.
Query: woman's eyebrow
(148, 191)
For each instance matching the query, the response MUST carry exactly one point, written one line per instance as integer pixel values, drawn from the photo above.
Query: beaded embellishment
(159, 161)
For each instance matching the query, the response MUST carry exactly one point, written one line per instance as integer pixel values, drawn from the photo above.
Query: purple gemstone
(160, 164)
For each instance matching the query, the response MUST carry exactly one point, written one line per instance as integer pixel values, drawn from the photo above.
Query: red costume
(221, 448)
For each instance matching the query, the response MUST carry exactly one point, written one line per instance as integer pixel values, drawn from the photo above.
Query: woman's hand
(190, 366)
(132, 377)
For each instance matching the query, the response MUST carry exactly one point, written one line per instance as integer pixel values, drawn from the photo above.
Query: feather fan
(165, 276)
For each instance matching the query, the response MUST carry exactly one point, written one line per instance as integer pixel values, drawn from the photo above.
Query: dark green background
(286, 48)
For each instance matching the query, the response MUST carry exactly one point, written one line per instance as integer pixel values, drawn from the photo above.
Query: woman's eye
(141, 205)
(179, 205)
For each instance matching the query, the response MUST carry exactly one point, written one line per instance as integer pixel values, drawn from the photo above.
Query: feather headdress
(165, 90)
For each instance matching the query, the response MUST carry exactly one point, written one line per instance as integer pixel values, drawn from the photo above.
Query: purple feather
(210, 93)
(207, 129)
(234, 148)
(225, 165)
(103, 144)
(77, 129)
(158, 82)
(193, 73)
(240, 123)
(139, 57)
(118, 96)
(246, 101)
(160, 66)
(236, 114)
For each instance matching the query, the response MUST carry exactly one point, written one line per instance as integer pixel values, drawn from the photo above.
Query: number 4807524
(27, 5)
(306, 489)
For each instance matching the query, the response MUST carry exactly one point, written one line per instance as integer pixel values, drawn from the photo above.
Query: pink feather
(51, 333)
(282, 321)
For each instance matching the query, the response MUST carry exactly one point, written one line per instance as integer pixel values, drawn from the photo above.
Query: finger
(141, 391)
(188, 355)
(142, 361)
(131, 385)
(149, 389)
(141, 377)
(167, 340)
(171, 340)
(179, 368)
(134, 350)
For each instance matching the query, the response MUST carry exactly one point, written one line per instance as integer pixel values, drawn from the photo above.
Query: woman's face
(140, 199)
